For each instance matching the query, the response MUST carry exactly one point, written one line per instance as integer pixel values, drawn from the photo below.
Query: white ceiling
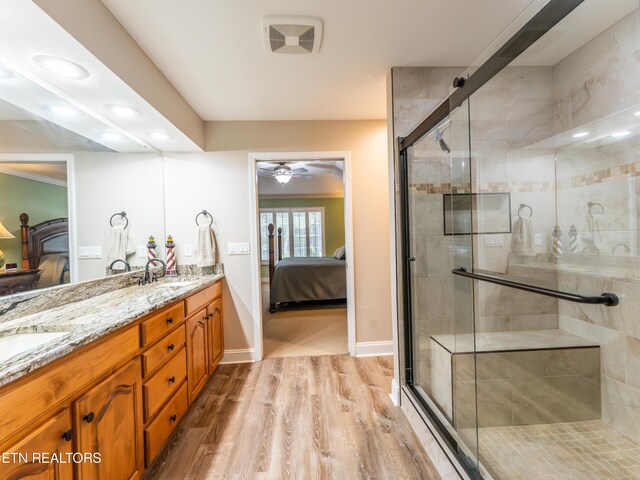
(325, 182)
(213, 52)
(48, 172)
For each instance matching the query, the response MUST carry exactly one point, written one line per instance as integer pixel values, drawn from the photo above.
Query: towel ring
(590, 205)
(122, 214)
(204, 212)
(523, 206)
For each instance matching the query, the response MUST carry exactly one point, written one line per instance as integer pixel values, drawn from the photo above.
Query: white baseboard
(240, 355)
(395, 393)
(370, 349)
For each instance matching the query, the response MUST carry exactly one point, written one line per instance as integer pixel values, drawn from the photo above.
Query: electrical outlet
(89, 252)
(537, 239)
(188, 250)
(142, 251)
(241, 248)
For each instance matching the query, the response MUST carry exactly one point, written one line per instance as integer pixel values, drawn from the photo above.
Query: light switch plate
(142, 251)
(89, 252)
(494, 240)
(238, 248)
(188, 250)
(537, 239)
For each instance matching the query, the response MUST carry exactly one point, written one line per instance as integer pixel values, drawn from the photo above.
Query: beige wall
(367, 142)
(93, 25)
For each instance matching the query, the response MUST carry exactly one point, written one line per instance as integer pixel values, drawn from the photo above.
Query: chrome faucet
(147, 277)
(127, 267)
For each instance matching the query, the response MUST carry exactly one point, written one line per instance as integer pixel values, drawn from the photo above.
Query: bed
(45, 247)
(303, 279)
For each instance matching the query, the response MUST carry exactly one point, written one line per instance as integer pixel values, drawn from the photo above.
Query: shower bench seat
(520, 378)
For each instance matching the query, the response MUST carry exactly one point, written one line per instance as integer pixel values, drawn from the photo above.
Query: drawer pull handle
(169, 321)
(173, 418)
(172, 379)
(68, 435)
(89, 417)
(171, 347)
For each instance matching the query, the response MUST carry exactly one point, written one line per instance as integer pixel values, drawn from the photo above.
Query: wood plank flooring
(323, 417)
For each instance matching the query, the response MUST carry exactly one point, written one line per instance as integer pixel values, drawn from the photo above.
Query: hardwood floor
(324, 417)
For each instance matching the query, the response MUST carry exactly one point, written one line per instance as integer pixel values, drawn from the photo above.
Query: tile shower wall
(415, 93)
(596, 81)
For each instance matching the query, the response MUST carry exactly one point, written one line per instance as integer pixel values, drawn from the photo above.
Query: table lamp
(4, 234)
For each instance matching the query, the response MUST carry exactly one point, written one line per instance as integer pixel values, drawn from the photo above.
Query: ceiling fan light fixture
(283, 177)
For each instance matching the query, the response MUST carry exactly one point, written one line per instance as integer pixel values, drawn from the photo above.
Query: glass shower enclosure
(520, 249)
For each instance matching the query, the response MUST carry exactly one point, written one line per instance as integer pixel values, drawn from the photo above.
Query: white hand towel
(592, 238)
(120, 245)
(206, 255)
(522, 236)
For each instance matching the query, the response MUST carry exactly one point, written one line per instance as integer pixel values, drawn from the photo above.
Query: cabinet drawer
(158, 354)
(203, 297)
(161, 323)
(163, 384)
(159, 430)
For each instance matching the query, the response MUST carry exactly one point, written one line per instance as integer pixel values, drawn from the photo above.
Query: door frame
(71, 196)
(254, 158)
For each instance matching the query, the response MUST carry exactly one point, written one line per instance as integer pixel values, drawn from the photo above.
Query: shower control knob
(411, 259)
(458, 82)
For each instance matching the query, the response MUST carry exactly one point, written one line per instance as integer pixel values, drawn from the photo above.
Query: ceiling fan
(283, 173)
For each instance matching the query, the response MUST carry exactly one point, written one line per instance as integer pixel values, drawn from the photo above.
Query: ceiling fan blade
(299, 170)
(327, 166)
(270, 170)
(306, 177)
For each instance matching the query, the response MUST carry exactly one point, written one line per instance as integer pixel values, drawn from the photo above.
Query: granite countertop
(87, 320)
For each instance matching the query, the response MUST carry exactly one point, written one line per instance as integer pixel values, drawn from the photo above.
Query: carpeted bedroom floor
(309, 332)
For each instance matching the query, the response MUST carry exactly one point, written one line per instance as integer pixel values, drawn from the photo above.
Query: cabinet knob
(211, 315)
(89, 417)
(171, 347)
(68, 435)
(169, 321)
(172, 379)
(173, 418)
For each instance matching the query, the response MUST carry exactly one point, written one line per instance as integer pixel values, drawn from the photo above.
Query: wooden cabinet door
(109, 422)
(53, 437)
(197, 360)
(216, 334)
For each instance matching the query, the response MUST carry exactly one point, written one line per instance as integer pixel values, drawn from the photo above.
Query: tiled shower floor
(558, 451)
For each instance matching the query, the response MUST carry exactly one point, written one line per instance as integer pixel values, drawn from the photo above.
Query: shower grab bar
(607, 299)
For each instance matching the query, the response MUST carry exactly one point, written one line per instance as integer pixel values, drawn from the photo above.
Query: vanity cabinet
(109, 422)
(197, 360)
(215, 334)
(120, 397)
(53, 437)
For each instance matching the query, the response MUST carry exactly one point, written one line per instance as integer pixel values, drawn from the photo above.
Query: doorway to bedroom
(302, 229)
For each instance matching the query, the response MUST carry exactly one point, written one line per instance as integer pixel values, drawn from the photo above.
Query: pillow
(340, 253)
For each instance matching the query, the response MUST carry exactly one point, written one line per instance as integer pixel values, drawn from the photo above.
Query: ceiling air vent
(292, 34)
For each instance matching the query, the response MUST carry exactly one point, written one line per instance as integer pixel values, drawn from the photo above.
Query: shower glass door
(438, 226)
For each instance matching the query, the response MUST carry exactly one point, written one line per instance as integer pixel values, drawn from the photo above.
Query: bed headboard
(272, 253)
(48, 237)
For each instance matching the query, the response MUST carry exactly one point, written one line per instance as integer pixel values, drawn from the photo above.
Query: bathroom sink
(17, 343)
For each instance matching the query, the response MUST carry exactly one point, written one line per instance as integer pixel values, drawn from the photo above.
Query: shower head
(443, 145)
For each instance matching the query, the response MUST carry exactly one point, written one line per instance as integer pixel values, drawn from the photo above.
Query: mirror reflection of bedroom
(34, 233)
(303, 267)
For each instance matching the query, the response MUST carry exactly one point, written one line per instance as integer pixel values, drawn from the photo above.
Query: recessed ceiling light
(111, 136)
(620, 134)
(124, 111)
(64, 110)
(61, 67)
(637, 113)
(5, 72)
(580, 134)
(160, 136)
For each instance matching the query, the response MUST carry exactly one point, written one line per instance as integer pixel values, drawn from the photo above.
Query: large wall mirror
(72, 206)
